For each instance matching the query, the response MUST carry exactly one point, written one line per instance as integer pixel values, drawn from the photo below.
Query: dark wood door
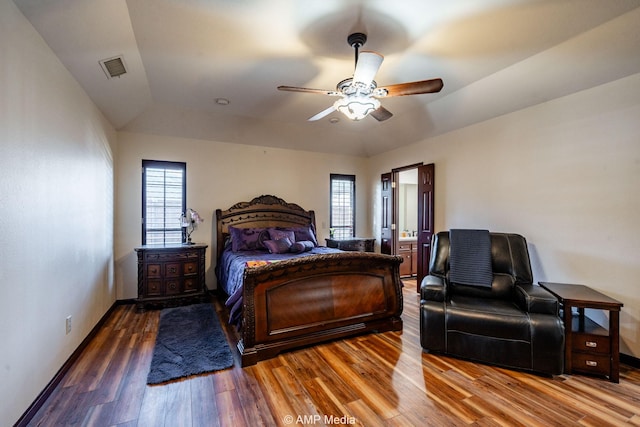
(387, 238)
(426, 189)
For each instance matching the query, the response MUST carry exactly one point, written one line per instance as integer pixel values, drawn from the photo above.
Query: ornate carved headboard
(263, 211)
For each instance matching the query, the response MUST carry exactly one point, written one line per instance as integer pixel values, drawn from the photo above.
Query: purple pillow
(297, 248)
(277, 234)
(308, 244)
(303, 233)
(248, 239)
(279, 246)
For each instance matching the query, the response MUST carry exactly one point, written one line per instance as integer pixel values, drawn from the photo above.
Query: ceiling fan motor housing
(357, 40)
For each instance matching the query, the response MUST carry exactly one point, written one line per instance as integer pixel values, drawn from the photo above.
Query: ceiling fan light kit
(356, 107)
(358, 94)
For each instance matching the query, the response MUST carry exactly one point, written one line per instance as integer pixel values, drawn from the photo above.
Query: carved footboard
(312, 299)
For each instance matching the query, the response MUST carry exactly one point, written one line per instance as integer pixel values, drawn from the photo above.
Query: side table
(589, 348)
(170, 275)
(362, 244)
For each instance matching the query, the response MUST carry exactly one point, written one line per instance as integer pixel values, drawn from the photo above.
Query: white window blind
(164, 200)
(343, 198)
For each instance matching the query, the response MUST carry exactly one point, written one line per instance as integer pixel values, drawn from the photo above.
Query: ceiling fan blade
(322, 114)
(308, 90)
(381, 114)
(413, 88)
(367, 67)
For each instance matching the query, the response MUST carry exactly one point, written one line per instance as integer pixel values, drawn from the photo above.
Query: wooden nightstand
(171, 275)
(589, 348)
(358, 244)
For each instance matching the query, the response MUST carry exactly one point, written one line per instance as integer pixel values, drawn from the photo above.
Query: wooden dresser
(170, 275)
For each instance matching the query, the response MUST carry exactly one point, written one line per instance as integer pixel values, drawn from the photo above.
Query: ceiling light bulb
(356, 107)
(222, 101)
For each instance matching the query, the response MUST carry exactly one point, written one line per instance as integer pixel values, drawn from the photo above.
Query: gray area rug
(190, 341)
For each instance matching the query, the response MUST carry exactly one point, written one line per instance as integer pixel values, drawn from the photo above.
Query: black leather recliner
(513, 324)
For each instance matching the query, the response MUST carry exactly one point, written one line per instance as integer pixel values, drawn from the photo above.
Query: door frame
(390, 213)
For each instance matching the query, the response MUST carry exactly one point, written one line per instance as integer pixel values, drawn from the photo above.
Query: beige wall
(565, 174)
(56, 214)
(219, 175)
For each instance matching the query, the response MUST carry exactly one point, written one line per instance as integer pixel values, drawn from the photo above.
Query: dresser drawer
(173, 269)
(154, 271)
(591, 363)
(154, 288)
(190, 268)
(190, 285)
(594, 344)
(172, 287)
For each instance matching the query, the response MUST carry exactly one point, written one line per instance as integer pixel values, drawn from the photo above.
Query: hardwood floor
(371, 380)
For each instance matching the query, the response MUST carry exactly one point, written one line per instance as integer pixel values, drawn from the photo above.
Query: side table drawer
(594, 344)
(591, 363)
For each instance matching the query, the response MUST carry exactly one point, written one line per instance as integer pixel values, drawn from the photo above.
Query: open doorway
(407, 217)
(406, 244)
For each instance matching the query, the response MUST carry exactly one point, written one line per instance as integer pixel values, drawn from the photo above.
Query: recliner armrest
(536, 299)
(433, 288)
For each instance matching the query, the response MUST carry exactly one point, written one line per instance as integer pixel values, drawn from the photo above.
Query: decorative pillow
(297, 248)
(248, 239)
(277, 234)
(308, 244)
(279, 246)
(303, 233)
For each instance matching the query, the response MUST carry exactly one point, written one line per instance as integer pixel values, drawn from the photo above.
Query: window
(343, 205)
(164, 189)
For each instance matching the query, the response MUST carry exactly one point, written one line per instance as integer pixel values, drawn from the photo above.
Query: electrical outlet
(68, 325)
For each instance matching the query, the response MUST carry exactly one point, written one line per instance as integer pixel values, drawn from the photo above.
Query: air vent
(113, 67)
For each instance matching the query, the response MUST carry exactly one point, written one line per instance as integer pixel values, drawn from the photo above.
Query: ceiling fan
(359, 94)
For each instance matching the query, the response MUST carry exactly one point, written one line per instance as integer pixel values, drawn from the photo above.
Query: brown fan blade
(381, 114)
(413, 88)
(308, 90)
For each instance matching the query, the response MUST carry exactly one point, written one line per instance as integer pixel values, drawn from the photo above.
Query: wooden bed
(307, 300)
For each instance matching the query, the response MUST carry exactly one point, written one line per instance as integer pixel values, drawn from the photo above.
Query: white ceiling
(494, 56)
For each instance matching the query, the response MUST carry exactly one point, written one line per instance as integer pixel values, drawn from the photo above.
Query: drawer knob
(592, 344)
(173, 269)
(591, 363)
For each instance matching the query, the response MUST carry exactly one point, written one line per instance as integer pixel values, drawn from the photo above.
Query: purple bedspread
(230, 273)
